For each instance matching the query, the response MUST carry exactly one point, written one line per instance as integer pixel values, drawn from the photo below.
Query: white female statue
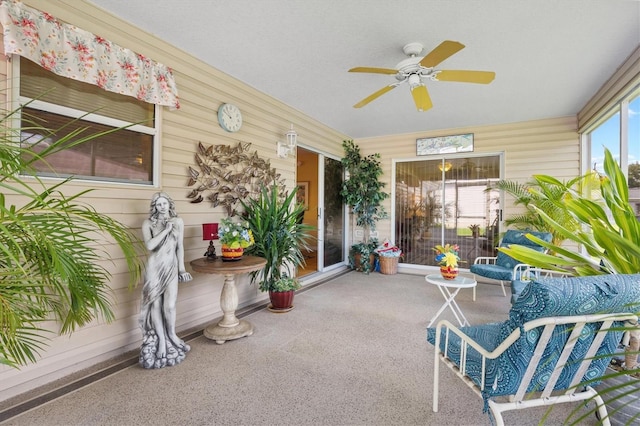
(163, 233)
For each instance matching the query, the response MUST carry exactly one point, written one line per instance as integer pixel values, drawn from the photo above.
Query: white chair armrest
(521, 271)
(527, 272)
(485, 260)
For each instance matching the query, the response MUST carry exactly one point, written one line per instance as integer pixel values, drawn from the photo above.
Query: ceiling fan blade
(482, 77)
(421, 98)
(374, 70)
(374, 95)
(440, 53)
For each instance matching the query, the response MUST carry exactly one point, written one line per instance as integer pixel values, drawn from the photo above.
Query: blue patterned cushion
(495, 272)
(519, 237)
(487, 335)
(515, 360)
(517, 286)
(549, 297)
(566, 296)
(502, 270)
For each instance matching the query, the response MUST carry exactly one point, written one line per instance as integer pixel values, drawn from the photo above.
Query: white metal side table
(449, 290)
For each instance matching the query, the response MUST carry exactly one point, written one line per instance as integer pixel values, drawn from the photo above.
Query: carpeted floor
(352, 352)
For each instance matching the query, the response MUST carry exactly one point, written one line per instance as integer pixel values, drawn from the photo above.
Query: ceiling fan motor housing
(412, 49)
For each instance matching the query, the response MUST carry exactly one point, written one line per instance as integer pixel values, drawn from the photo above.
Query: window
(633, 137)
(52, 101)
(605, 136)
(619, 131)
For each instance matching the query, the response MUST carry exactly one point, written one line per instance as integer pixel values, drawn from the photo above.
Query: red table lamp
(210, 233)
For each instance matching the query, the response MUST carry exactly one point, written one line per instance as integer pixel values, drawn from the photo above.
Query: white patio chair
(556, 344)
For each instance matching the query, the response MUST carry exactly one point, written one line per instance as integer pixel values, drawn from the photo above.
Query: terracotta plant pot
(281, 300)
(357, 261)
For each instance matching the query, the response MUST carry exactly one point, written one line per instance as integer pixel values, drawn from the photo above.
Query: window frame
(18, 101)
(621, 107)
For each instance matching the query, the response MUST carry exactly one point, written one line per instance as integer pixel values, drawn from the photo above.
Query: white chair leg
(436, 372)
(497, 413)
(504, 292)
(603, 415)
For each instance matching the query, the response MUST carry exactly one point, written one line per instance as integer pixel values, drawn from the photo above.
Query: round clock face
(230, 117)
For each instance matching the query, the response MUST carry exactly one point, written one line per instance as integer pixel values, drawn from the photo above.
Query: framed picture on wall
(445, 144)
(303, 194)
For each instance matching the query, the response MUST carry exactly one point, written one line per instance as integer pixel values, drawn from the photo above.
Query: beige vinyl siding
(626, 77)
(202, 90)
(3, 77)
(534, 147)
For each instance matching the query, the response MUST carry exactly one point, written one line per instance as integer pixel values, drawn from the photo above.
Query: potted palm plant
(543, 195)
(50, 259)
(280, 238)
(609, 234)
(362, 190)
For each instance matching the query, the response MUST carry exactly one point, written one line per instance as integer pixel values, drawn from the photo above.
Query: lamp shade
(292, 138)
(209, 231)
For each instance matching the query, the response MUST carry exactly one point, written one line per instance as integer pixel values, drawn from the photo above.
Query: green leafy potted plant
(50, 262)
(609, 234)
(363, 192)
(279, 237)
(282, 292)
(235, 237)
(475, 230)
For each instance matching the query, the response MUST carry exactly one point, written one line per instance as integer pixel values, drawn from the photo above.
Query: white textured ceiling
(549, 56)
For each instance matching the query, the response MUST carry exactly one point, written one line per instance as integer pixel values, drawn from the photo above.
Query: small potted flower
(448, 257)
(388, 256)
(234, 237)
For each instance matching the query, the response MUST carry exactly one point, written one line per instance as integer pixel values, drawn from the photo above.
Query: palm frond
(50, 261)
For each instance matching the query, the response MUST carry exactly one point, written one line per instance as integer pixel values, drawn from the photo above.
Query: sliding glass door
(447, 200)
(320, 178)
(333, 217)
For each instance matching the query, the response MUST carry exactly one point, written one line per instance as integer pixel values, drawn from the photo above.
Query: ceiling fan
(414, 69)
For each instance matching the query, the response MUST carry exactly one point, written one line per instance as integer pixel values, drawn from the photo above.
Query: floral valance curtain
(74, 53)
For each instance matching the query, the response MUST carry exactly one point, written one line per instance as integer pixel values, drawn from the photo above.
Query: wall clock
(230, 117)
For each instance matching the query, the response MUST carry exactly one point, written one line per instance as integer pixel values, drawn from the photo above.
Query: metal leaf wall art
(226, 174)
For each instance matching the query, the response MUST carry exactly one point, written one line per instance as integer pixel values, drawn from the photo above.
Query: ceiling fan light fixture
(414, 81)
